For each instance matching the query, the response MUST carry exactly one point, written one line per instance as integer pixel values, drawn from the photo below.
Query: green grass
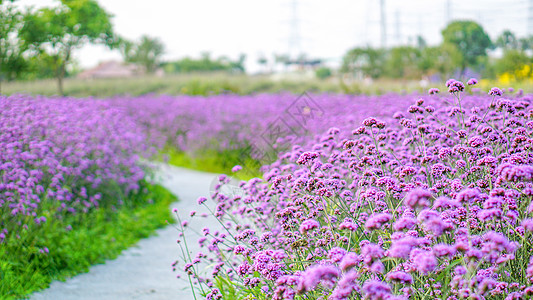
(220, 162)
(94, 237)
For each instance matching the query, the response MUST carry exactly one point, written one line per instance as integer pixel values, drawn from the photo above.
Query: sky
(321, 29)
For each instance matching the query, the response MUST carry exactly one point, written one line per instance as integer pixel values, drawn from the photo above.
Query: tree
(60, 30)
(513, 61)
(11, 61)
(507, 40)
(237, 66)
(421, 42)
(525, 43)
(470, 39)
(366, 61)
(403, 62)
(323, 73)
(263, 62)
(147, 52)
(443, 59)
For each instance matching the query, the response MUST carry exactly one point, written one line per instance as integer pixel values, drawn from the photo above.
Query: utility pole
(383, 25)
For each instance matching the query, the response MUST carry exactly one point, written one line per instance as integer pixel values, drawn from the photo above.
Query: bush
(323, 73)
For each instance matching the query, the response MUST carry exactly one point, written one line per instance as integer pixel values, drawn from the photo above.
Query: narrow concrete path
(144, 271)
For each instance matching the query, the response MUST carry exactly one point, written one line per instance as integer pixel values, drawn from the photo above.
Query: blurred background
(105, 48)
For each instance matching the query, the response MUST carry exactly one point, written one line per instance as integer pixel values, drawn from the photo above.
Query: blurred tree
(421, 42)
(512, 62)
(323, 73)
(238, 65)
(60, 30)
(364, 61)
(11, 61)
(282, 59)
(403, 62)
(470, 39)
(263, 62)
(443, 59)
(525, 43)
(147, 52)
(40, 66)
(507, 40)
(205, 64)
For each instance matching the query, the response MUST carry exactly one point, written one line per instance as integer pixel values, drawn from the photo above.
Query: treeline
(465, 48)
(205, 64)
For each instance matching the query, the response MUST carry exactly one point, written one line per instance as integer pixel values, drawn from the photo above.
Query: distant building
(112, 69)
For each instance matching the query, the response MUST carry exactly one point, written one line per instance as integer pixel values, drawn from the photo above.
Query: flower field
(419, 197)
(70, 172)
(376, 197)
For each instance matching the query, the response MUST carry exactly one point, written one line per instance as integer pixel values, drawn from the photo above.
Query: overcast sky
(324, 29)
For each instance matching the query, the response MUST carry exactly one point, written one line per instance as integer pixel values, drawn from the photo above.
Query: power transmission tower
(383, 24)
(448, 12)
(398, 35)
(530, 18)
(294, 34)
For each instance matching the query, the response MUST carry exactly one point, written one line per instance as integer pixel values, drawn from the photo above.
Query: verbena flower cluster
(432, 201)
(63, 153)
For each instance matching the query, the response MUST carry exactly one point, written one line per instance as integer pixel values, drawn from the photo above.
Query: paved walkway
(144, 271)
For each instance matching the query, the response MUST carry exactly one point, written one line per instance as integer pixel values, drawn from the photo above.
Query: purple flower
(349, 260)
(441, 250)
(348, 224)
(401, 277)
(401, 248)
(371, 252)
(529, 271)
(424, 261)
(472, 81)
(455, 86)
(336, 254)
(445, 202)
(201, 200)
(417, 198)
(345, 287)
(307, 157)
(369, 122)
(308, 225)
(514, 173)
(404, 222)
(528, 224)
(433, 91)
(377, 220)
(495, 91)
(315, 274)
(376, 289)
